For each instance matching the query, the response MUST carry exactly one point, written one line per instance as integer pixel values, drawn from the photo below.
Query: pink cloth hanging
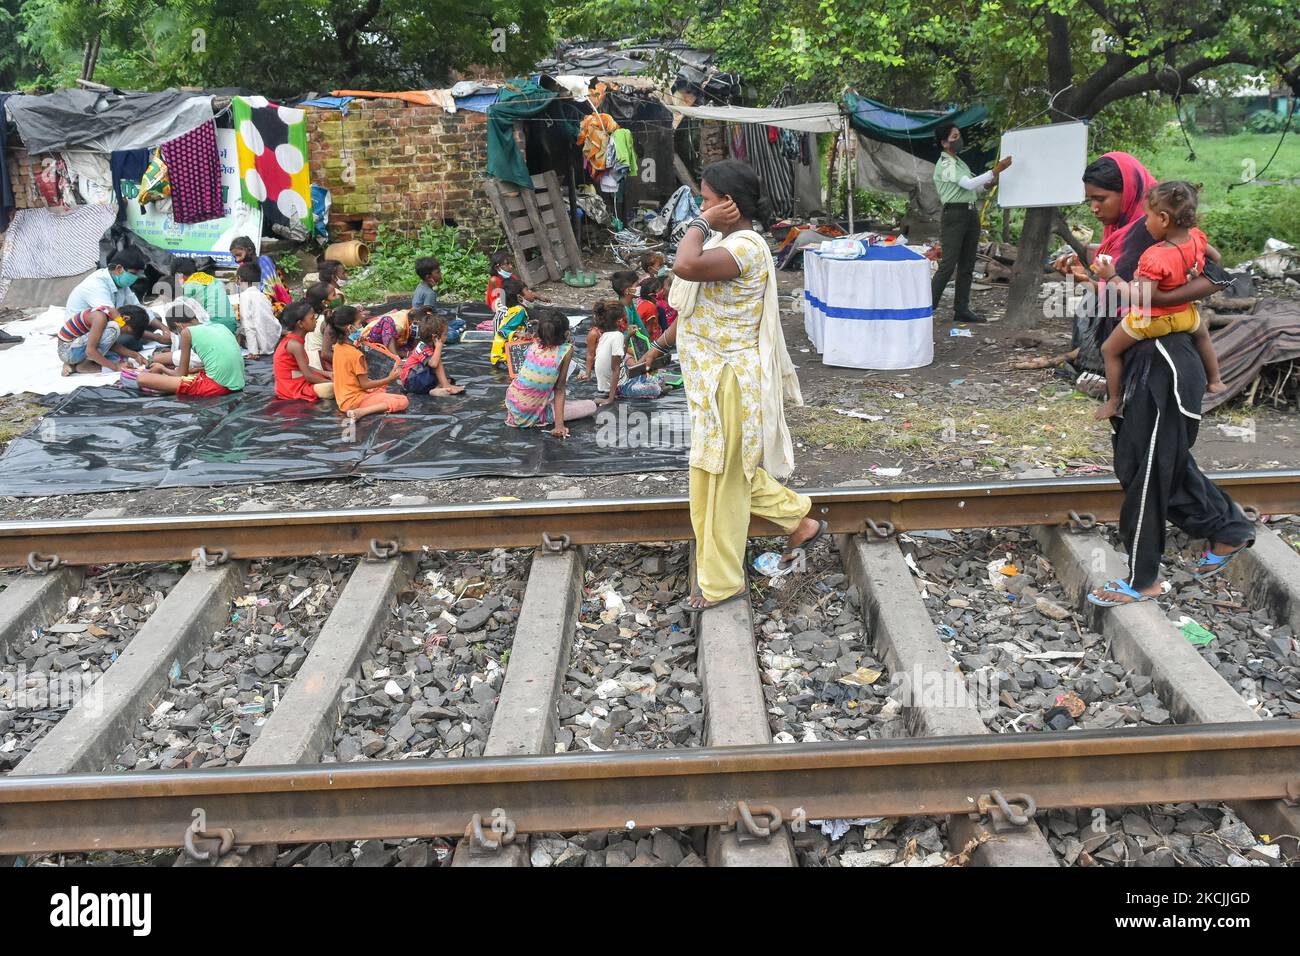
(194, 167)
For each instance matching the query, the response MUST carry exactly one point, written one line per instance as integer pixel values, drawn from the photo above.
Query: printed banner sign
(199, 239)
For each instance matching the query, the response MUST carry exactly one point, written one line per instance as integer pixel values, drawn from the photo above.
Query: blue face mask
(506, 275)
(125, 280)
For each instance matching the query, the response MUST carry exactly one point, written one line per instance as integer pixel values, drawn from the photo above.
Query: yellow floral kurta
(721, 332)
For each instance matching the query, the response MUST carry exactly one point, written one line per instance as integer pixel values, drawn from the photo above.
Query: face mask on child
(505, 275)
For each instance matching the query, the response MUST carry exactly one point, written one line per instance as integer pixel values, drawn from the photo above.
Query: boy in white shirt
(257, 321)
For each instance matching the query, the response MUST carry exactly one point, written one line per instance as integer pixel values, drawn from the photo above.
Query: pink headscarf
(1136, 183)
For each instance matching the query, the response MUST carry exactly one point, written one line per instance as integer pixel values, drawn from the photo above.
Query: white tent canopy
(805, 118)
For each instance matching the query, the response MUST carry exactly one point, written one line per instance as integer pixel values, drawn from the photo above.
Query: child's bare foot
(1107, 410)
(68, 369)
(1215, 388)
(443, 390)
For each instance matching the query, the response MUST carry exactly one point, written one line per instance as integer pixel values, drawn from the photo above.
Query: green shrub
(290, 265)
(392, 265)
(1251, 214)
(1262, 121)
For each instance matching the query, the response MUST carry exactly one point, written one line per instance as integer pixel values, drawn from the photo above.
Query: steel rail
(695, 787)
(487, 525)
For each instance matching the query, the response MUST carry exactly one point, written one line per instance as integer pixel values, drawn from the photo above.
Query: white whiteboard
(1047, 166)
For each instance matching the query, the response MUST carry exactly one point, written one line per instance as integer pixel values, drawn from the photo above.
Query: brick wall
(22, 175)
(402, 165)
(410, 165)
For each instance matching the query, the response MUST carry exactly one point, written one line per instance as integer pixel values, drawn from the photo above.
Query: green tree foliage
(281, 48)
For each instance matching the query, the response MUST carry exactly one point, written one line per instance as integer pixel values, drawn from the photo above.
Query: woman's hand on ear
(722, 215)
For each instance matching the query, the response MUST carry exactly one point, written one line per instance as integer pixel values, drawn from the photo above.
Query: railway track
(414, 672)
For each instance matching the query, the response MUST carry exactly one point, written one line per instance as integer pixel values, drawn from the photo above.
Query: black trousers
(1154, 464)
(959, 236)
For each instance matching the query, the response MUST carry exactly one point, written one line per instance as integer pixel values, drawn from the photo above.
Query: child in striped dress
(535, 399)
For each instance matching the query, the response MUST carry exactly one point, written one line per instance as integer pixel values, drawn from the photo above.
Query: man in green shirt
(959, 233)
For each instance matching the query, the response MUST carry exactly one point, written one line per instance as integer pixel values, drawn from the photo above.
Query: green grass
(1056, 427)
(1238, 220)
(392, 265)
(1220, 161)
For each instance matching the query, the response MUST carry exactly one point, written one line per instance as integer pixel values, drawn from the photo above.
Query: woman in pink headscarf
(1164, 383)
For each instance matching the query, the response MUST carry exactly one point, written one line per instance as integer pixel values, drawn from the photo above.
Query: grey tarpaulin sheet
(69, 119)
(1270, 334)
(112, 439)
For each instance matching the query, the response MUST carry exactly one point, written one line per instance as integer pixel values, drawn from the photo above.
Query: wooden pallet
(554, 217)
(537, 228)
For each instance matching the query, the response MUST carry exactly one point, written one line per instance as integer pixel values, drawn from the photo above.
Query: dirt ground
(966, 417)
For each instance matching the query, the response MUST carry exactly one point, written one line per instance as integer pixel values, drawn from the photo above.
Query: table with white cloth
(870, 312)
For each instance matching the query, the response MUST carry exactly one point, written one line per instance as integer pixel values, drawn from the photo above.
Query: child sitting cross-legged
(223, 363)
(356, 393)
(618, 374)
(295, 379)
(422, 371)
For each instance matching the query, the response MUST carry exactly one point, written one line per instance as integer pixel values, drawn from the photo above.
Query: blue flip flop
(1212, 564)
(1123, 587)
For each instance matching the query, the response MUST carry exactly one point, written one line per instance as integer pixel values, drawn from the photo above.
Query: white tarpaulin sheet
(805, 118)
(33, 365)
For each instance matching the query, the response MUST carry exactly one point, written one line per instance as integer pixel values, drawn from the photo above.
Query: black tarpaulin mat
(112, 439)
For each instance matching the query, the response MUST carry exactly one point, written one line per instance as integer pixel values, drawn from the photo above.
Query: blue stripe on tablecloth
(839, 312)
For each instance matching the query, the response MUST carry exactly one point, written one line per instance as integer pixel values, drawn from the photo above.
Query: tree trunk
(91, 58)
(1024, 307)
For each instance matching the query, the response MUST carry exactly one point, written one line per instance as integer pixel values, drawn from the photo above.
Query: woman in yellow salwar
(737, 376)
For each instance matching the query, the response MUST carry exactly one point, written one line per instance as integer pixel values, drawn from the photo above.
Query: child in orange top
(647, 306)
(356, 393)
(294, 376)
(1177, 257)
